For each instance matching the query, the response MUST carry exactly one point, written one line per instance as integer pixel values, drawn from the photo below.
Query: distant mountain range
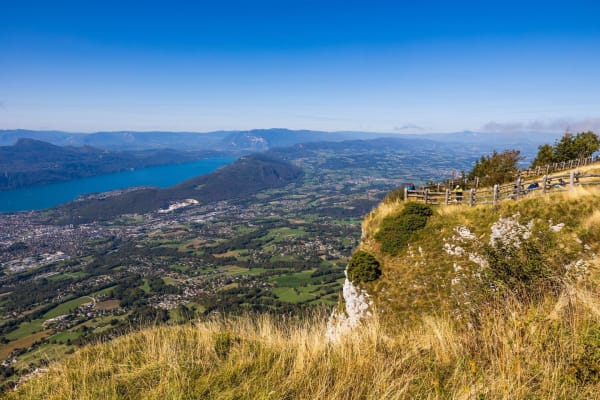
(262, 139)
(38, 157)
(237, 141)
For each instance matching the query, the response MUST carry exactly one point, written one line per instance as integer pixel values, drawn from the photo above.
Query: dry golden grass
(515, 352)
(592, 221)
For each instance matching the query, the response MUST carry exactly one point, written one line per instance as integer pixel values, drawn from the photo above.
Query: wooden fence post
(572, 180)
(517, 188)
(544, 183)
(472, 197)
(496, 193)
(447, 197)
(426, 196)
(405, 193)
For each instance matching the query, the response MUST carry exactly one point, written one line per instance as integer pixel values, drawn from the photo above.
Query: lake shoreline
(41, 197)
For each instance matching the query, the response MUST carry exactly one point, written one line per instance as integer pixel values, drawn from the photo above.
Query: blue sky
(420, 66)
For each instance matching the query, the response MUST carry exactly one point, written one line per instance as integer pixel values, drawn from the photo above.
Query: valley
(275, 250)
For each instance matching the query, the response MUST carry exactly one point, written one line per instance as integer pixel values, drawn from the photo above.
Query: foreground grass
(547, 351)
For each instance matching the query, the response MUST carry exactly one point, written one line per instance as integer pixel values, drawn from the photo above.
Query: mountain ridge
(31, 162)
(246, 176)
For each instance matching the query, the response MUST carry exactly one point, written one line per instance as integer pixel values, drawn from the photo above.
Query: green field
(103, 291)
(62, 337)
(234, 270)
(66, 307)
(292, 295)
(280, 234)
(146, 286)
(49, 352)
(294, 280)
(26, 329)
(68, 275)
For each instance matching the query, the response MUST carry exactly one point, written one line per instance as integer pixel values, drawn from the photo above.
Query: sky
(382, 66)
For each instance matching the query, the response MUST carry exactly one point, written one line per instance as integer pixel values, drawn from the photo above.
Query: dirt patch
(231, 253)
(107, 305)
(24, 343)
(192, 244)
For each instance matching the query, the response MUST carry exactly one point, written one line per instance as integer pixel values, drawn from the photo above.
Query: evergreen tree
(496, 168)
(568, 147)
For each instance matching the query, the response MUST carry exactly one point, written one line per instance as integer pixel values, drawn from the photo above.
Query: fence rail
(531, 172)
(520, 188)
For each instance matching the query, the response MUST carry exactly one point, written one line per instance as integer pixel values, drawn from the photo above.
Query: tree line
(503, 167)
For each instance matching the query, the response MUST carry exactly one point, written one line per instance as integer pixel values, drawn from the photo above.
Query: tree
(363, 267)
(568, 147)
(581, 145)
(496, 168)
(544, 156)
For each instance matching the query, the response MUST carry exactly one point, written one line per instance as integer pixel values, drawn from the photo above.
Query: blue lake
(45, 196)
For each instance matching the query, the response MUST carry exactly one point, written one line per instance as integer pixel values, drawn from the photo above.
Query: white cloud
(556, 125)
(408, 127)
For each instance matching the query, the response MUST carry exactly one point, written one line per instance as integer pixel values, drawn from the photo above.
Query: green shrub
(223, 343)
(363, 267)
(586, 367)
(528, 270)
(398, 230)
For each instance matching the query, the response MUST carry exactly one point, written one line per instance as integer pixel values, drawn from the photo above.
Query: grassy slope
(516, 353)
(416, 348)
(419, 279)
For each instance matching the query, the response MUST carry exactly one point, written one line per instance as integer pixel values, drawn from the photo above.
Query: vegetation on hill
(248, 175)
(465, 256)
(33, 162)
(397, 230)
(363, 267)
(503, 167)
(480, 302)
(568, 147)
(496, 167)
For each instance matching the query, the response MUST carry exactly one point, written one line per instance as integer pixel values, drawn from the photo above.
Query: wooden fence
(531, 172)
(561, 181)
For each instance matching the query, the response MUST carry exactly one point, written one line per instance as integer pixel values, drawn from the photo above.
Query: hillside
(33, 162)
(472, 303)
(246, 176)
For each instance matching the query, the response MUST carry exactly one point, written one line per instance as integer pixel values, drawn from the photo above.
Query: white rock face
(557, 227)
(578, 269)
(357, 303)
(464, 232)
(509, 232)
(453, 250)
(181, 204)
